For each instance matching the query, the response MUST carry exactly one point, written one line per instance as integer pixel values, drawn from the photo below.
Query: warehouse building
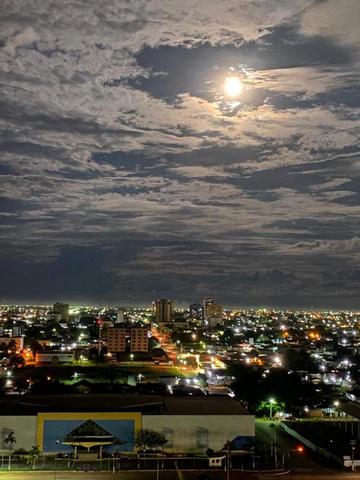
(64, 424)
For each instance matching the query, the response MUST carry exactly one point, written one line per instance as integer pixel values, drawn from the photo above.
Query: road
(188, 475)
(315, 476)
(269, 433)
(134, 475)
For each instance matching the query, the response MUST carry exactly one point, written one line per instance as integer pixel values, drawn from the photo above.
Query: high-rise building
(120, 315)
(206, 304)
(197, 311)
(127, 339)
(139, 339)
(11, 329)
(116, 340)
(213, 312)
(164, 310)
(61, 311)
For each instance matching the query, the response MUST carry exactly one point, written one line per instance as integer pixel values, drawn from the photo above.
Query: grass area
(333, 436)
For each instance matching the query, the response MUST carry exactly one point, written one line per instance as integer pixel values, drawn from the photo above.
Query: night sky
(127, 173)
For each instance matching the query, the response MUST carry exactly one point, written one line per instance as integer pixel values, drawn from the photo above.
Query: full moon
(232, 86)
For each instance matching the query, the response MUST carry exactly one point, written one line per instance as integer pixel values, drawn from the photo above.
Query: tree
(149, 439)
(35, 347)
(266, 406)
(247, 383)
(10, 441)
(34, 455)
(298, 360)
(17, 361)
(2, 386)
(12, 347)
(228, 337)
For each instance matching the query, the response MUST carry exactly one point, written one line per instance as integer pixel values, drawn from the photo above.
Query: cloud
(147, 167)
(338, 247)
(18, 38)
(306, 82)
(337, 19)
(199, 171)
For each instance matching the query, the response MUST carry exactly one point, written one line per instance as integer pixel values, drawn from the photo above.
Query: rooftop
(146, 404)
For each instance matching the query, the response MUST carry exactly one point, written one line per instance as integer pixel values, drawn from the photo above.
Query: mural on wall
(243, 443)
(8, 439)
(62, 432)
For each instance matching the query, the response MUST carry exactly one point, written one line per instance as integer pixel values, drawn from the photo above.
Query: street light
(55, 466)
(272, 401)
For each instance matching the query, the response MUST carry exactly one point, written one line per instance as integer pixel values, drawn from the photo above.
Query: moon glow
(233, 86)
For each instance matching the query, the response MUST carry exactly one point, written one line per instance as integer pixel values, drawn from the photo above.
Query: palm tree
(10, 441)
(34, 455)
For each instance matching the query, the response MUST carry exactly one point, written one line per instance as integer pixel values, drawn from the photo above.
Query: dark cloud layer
(126, 174)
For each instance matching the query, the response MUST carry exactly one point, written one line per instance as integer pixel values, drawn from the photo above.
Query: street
(134, 475)
(166, 475)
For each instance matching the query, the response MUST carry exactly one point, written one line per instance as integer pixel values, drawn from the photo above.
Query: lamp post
(55, 469)
(272, 402)
(228, 461)
(352, 444)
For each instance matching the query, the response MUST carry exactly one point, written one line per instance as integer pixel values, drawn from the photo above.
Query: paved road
(135, 475)
(316, 476)
(268, 433)
(172, 476)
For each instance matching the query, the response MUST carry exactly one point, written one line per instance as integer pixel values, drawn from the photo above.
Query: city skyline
(171, 150)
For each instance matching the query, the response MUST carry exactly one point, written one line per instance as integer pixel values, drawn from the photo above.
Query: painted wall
(24, 428)
(196, 433)
(186, 433)
(53, 427)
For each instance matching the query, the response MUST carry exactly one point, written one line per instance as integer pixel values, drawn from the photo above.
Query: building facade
(164, 310)
(190, 425)
(213, 312)
(127, 339)
(197, 311)
(61, 311)
(19, 341)
(54, 357)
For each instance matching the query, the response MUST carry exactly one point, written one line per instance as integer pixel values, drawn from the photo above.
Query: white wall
(24, 428)
(187, 430)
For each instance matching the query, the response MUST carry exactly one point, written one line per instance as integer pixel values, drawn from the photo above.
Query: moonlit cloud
(337, 19)
(127, 174)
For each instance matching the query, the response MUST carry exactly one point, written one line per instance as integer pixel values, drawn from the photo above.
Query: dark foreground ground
(171, 476)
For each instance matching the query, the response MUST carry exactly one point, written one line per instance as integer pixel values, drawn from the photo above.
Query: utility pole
(228, 462)
(352, 459)
(353, 443)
